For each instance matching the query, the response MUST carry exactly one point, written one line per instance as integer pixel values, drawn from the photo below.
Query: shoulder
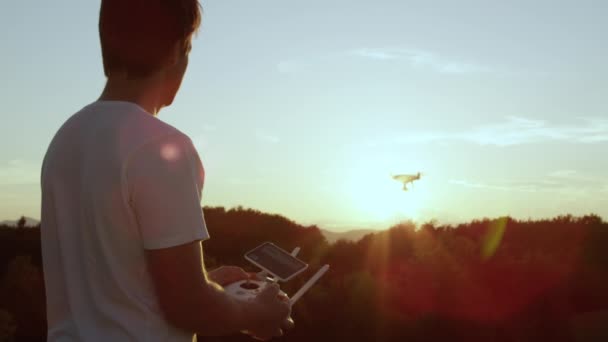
(168, 147)
(169, 158)
(158, 144)
(142, 132)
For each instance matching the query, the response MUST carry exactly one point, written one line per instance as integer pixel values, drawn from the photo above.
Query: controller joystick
(249, 285)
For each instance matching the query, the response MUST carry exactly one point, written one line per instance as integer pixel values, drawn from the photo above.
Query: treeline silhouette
(486, 280)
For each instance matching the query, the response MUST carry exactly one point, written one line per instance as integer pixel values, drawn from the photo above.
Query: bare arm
(188, 299)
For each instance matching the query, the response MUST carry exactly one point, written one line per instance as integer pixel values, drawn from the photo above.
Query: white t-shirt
(115, 181)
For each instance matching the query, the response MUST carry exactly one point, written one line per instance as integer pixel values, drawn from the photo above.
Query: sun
(376, 197)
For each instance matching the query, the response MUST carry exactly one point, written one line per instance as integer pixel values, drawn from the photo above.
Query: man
(121, 219)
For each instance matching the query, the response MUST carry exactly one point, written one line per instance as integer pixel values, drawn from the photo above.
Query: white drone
(405, 179)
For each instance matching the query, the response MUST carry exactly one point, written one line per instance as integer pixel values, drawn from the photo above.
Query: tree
(21, 222)
(7, 326)
(22, 294)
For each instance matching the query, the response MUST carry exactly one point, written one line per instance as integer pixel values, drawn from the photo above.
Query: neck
(142, 92)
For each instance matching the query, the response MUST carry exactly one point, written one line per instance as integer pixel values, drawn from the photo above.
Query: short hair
(138, 36)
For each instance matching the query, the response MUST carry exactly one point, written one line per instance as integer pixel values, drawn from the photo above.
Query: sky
(306, 108)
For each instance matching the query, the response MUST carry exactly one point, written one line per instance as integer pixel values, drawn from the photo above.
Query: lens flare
(169, 152)
(493, 237)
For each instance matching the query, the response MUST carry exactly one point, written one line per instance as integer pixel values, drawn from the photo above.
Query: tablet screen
(275, 260)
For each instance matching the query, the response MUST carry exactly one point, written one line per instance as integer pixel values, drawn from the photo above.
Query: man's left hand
(225, 275)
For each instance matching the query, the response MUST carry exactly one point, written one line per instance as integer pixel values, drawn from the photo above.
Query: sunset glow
(376, 197)
(309, 121)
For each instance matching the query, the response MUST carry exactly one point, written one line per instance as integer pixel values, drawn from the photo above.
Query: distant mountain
(29, 222)
(350, 235)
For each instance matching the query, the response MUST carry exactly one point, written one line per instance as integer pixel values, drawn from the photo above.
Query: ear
(175, 54)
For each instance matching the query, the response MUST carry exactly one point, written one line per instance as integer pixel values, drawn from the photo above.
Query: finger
(288, 324)
(238, 269)
(268, 335)
(287, 309)
(234, 270)
(234, 273)
(258, 336)
(283, 297)
(238, 273)
(270, 291)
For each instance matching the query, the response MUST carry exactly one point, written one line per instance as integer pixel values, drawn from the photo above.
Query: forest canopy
(488, 279)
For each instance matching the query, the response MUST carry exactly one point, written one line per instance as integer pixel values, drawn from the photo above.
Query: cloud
(7, 196)
(204, 141)
(468, 184)
(560, 181)
(243, 181)
(267, 138)
(201, 140)
(563, 173)
(414, 58)
(517, 130)
(378, 54)
(512, 131)
(420, 59)
(18, 171)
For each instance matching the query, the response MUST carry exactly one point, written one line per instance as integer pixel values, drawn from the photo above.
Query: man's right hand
(270, 314)
(190, 302)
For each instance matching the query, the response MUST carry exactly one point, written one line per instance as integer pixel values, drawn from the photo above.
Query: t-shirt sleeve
(165, 179)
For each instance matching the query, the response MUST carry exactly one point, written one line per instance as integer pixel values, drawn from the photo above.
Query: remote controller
(249, 289)
(276, 265)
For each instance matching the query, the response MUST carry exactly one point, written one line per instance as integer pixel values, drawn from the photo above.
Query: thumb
(271, 290)
(238, 272)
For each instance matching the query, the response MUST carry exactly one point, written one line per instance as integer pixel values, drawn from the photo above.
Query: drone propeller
(407, 177)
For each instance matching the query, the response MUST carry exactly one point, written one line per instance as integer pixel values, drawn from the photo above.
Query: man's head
(148, 39)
